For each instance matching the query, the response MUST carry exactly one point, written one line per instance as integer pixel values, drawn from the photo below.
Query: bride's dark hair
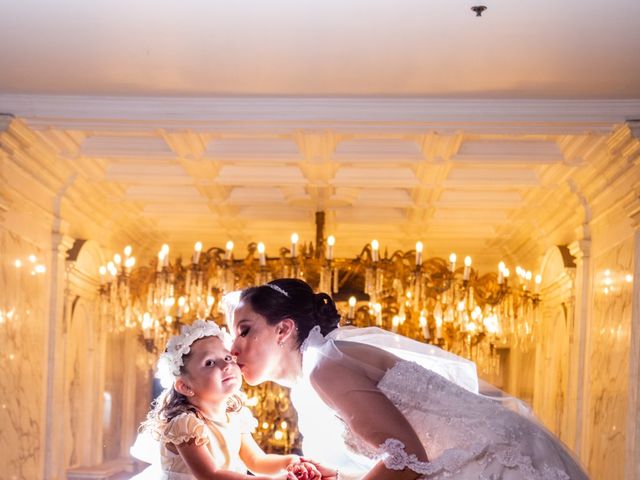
(295, 299)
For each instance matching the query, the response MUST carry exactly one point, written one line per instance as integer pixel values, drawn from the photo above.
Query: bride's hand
(304, 471)
(326, 472)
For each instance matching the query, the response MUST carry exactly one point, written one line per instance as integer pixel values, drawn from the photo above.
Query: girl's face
(256, 345)
(211, 371)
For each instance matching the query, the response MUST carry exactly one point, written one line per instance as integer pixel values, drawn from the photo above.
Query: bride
(368, 409)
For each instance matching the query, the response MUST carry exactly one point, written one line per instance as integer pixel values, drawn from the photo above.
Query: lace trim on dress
(396, 458)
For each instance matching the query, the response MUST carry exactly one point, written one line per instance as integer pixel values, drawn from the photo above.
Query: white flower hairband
(171, 361)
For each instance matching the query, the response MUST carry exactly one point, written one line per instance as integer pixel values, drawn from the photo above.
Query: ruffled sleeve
(245, 420)
(185, 427)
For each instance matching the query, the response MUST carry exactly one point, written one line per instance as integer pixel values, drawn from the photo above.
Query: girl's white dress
(222, 439)
(465, 435)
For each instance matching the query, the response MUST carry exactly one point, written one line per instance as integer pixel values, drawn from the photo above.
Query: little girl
(204, 431)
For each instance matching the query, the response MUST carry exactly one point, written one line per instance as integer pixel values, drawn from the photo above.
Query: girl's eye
(209, 363)
(244, 331)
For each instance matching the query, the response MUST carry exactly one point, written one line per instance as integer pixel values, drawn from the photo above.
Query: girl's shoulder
(185, 427)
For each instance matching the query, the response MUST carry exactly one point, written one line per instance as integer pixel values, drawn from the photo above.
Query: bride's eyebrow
(240, 323)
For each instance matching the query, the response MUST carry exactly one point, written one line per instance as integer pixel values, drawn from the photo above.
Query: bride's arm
(372, 417)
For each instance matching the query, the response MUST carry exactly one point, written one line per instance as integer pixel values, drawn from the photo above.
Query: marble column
(578, 364)
(632, 447)
(53, 412)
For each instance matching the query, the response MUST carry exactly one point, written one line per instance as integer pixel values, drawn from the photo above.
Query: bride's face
(256, 345)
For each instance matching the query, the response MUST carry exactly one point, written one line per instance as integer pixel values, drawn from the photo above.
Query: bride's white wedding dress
(465, 435)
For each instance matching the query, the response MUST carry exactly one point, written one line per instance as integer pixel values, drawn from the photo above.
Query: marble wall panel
(145, 365)
(23, 314)
(608, 362)
(113, 396)
(80, 430)
(553, 333)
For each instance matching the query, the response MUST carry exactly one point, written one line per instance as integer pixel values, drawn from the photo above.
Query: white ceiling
(434, 48)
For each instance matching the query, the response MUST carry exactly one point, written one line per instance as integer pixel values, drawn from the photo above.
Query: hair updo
(295, 299)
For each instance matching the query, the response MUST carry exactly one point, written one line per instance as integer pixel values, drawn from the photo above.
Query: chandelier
(434, 300)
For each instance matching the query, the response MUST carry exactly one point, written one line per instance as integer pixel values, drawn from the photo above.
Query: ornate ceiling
(490, 179)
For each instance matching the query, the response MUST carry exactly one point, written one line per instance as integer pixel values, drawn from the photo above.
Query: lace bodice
(464, 435)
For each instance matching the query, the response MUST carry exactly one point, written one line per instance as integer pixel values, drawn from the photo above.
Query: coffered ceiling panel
(379, 177)
(126, 146)
(143, 173)
(492, 177)
(473, 198)
(365, 215)
(185, 209)
(443, 215)
(254, 150)
(164, 193)
(395, 197)
(508, 152)
(371, 151)
(260, 175)
(253, 195)
(283, 213)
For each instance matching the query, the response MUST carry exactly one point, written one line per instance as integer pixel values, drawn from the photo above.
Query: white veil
(458, 370)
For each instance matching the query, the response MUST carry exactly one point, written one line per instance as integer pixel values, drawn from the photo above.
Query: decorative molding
(634, 128)
(78, 111)
(580, 249)
(625, 141)
(5, 121)
(633, 209)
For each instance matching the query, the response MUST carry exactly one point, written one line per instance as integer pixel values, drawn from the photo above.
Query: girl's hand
(304, 471)
(325, 473)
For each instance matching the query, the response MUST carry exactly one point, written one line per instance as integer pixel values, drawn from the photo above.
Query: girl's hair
(295, 299)
(171, 403)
